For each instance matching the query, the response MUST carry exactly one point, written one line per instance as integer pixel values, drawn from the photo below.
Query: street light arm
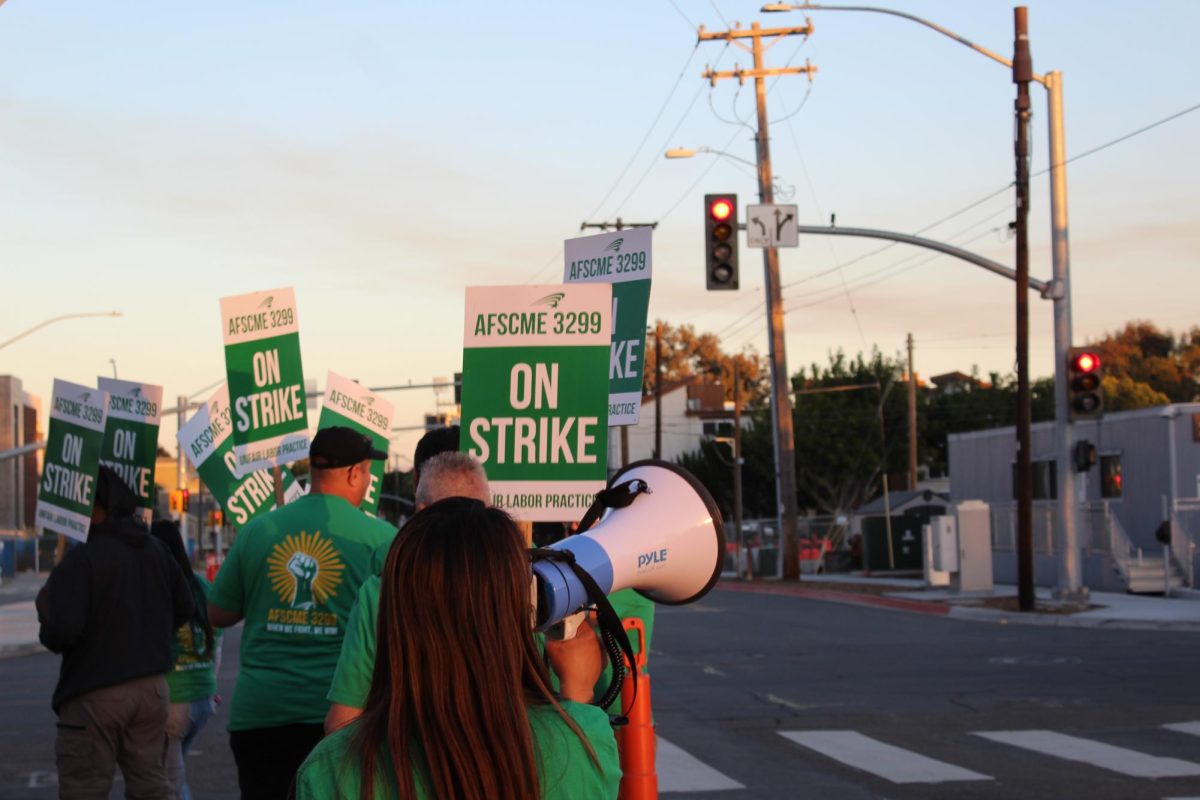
(53, 320)
(905, 15)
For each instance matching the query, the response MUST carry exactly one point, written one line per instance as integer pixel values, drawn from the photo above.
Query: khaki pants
(123, 725)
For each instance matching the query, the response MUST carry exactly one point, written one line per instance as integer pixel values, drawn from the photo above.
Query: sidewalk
(1109, 610)
(19, 630)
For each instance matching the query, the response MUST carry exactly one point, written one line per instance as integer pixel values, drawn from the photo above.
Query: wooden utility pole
(912, 419)
(737, 470)
(1022, 75)
(658, 373)
(781, 401)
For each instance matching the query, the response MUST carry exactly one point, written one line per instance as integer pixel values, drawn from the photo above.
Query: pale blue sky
(380, 156)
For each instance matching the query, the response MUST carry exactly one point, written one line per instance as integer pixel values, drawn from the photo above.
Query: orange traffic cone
(636, 739)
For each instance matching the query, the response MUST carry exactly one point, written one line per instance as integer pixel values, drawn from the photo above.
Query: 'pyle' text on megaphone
(665, 538)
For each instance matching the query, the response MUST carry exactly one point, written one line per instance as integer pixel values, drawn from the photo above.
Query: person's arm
(577, 662)
(183, 601)
(220, 618)
(62, 604)
(339, 716)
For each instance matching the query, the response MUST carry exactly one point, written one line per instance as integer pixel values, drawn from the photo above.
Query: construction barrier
(636, 739)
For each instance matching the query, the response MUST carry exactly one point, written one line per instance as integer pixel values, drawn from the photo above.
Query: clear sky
(381, 156)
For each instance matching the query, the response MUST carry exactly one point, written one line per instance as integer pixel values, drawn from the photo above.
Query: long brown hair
(456, 664)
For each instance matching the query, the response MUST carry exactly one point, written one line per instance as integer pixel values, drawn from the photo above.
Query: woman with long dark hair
(461, 704)
(192, 682)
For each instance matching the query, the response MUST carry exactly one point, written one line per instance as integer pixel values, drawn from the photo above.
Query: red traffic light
(1086, 362)
(721, 210)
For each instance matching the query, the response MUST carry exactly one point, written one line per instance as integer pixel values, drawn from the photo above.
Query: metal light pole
(53, 320)
(1070, 577)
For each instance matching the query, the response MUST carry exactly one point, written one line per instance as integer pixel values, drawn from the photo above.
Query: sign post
(207, 440)
(535, 395)
(623, 260)
(351, 405)
(131, 435)
(67, 489)
(266, 379)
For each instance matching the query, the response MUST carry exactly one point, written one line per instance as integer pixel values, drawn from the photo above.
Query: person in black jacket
(110, 608)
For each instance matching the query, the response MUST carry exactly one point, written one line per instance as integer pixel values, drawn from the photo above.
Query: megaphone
(667, 541)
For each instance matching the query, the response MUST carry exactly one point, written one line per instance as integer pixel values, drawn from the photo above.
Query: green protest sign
(623, 260)
(349, 405)
(266, 379)
(535, 395)
(207, 440)
(131, 434)
(67, 488)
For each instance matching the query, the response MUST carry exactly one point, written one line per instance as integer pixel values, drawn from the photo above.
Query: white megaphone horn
(668, 544)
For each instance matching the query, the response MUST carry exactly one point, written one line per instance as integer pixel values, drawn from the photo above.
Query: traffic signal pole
(781, 401)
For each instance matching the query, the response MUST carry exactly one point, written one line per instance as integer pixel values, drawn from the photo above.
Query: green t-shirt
(356, 664)
(566, 771)
(293, 574)
(194, 675)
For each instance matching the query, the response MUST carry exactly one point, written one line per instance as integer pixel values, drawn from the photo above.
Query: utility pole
(781, 402)
(619, 225)
(658, 372)
(912, 420)
(181, 465)
(1022, 75)
(737, 467)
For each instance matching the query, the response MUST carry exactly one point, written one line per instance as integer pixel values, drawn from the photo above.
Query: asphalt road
(734, 672)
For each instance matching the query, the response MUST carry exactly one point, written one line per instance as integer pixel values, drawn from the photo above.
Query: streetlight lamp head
(680, 152)
(771, 8)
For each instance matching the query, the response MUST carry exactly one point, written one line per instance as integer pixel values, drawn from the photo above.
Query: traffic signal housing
(185, 498)
(1085, 390)
(720, 242)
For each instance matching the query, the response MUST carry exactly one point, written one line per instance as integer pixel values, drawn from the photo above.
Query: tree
(687, 353)
(1143, 365)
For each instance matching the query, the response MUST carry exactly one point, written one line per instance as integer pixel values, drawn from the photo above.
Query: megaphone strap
(612, 632)
(618, 496)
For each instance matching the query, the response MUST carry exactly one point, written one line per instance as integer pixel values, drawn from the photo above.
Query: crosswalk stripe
(1098, 754)
(883, 760)
(679, 771)
(1184, 727)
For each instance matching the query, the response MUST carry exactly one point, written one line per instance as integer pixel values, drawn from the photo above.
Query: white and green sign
(623, 260)
(207, 441)
(67, 489)
(535, 395)
(131, 434)
(350, 405)
(266, 379)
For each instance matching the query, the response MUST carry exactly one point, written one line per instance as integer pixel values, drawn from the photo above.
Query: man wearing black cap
(292, 575)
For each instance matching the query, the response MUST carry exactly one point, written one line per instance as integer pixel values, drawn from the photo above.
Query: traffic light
(175, 501)
(1085, 455)
(185, 498)
(720, 241)
(1085, 391)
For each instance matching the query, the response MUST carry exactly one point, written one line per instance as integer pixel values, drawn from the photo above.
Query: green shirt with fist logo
(293, 574)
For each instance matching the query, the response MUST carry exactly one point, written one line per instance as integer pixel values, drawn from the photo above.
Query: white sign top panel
(250, 317)
(83, 405)
(132, 401)
(608, 257)
(538, 316)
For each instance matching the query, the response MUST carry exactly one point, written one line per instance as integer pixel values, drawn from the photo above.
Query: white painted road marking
(884, 760)
(680, 772)
(1098, 754)
(1185, 727)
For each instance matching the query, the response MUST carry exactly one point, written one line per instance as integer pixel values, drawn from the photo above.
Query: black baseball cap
(341, 447)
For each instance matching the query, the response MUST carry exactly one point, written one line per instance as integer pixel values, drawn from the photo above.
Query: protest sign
(67, 488)
(623, 260)
(266, 380)
(207, 441)
(535, 395)
(131, 434)
(349, 405)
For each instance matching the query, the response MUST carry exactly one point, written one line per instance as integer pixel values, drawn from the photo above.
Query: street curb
(962, 613)
(1068, 620)
(17, 650)
(847, 598)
